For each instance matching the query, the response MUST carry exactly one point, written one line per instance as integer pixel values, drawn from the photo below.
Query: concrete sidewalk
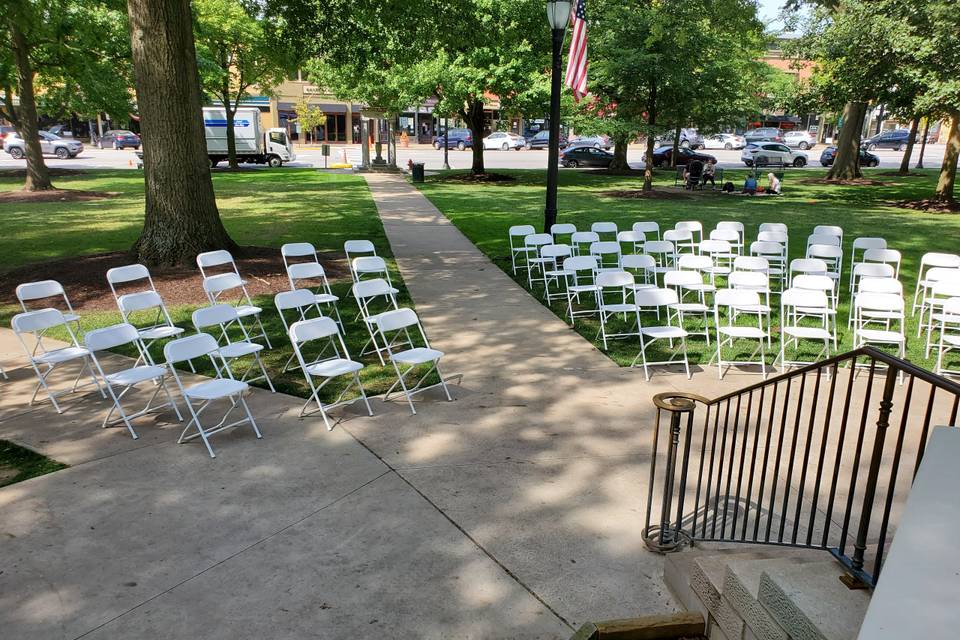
(513, 512)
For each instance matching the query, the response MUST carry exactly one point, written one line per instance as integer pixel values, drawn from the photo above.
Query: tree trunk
(38, 176)
(676, 145)
(948, 170)
(923, 142)
(181, 217)
(473, 115)
(905, 161)
(846, 164)
(651, 132)
(620, 145)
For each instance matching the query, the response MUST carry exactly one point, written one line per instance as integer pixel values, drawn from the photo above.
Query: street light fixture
(558, 16)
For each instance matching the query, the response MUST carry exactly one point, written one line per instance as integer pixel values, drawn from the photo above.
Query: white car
(800, 139)
(766, 154)
(50, 145)
(724, 141)
(503, 140)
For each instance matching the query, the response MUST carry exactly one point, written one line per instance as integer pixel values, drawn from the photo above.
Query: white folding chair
(374, 297)
(208, 392)
(779, 237)
(805, 266)
(832, 255)
(643, 269)
(358, 248)
(229, 284)
(120, 381)
(869, 270)
(404, 320)
(648, 228)
(31, 326)
(694, 227)
(889, 257)
(310, 270)
(685, 283)
(607, 253)
(682, 239)
(605, 228)
(738, 228)
(874, 285)
(829, 229)
(824, 239)
(828, 287)
(754, 281)
(634, 239)
(751, 263)
(795, 306)
(773, 226)
(663, 252)
(933, 277)
(776, 256)
(532, 244)
(580, 272)
(553, 256)
(223, 317)
(562, 231)
(47, 290)
(867, 308)
(619, 285)
(738, 302)
(861, 245)
(949, 335)
(728, 235)
(581, 241)
(366, 266)
(939, 294)
(930, 261)
(721, 253)
(658, 299)
(516, 235)
(304, 303)
(704, 266)
(325, 367)
(145, 311)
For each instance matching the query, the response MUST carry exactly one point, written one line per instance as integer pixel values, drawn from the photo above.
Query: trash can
(417, 172)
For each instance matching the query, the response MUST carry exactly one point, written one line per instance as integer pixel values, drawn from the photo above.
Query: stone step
(810, 603)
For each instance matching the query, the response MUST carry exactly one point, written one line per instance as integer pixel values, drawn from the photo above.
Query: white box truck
(254, 145)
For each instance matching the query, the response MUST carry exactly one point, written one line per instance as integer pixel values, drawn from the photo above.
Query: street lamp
(558, 15)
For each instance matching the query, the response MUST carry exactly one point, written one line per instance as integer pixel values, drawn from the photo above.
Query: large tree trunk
(651, 142)
(620, 144)
(38, 176)
(948, 170)
(181, 217)
(846, 164)
(923, 142)
(473, 115)
(676, 145)
(905, 161)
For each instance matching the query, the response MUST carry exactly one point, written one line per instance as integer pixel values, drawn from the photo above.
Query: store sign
(310, 90)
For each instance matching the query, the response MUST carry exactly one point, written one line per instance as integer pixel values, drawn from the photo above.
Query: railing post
(856, 580)
(668, 536)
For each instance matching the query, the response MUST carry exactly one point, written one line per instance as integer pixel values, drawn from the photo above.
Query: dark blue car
(459, 138)
(119, 139)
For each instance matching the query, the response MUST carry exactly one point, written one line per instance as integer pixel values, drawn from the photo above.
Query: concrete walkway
(513, 512)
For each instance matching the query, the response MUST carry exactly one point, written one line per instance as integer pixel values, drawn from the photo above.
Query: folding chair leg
(443, 383)
(253, 423)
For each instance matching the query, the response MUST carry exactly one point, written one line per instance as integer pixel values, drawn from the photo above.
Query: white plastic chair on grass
(737, 302)
(889, 257)
(553, 256)
(694, 227)
(780, 237)
(404, 320)
(580, 272)
(796, 305)
(832, 255)
(620, 286)
(869, 270)
(374, 297)
(223, 317)
(683, 284)
(603, 229)
(532, 244)
(940, 293)
(824, 239)
(45, 290)
(581, 240)
(200, 396)
(634, 239)
(660, 299)
(120, 381)
(682, 239)
(304, 302)
(874, 285)
(359, 248)
(930, 261)
(648, 228)
(773, 226)
(516, 235)
(722, 255)
(728, 235)
(829, 229)
(891, 333)
(806, 266)
(326, 368)
(733, 225)
(861, 245)
(949, 335)
(643, 269)
(44, 358)
(144, 309)
(827, 286)
(754, 281)
(751, 263)
(366, 266)
(704, 266)
(934, 277)
(776, 256)
(562, 231)
(607, 254)
(229, 285)
(310, 270)
(663, 252)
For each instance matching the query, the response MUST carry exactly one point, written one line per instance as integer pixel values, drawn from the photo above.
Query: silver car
(50, 145)
(802, 140)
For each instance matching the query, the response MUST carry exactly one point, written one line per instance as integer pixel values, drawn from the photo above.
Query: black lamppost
(558, 15)
(446, 143)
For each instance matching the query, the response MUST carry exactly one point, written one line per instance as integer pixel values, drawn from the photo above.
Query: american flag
(577, 59)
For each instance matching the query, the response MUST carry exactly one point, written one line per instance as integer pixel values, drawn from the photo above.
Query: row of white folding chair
(228, 285)
(309, 269)
(144, 308)
(928, 262)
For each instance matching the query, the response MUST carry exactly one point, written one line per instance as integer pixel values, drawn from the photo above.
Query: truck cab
(279, 148)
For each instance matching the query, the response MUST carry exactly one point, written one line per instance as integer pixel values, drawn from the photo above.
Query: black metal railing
(811, 458)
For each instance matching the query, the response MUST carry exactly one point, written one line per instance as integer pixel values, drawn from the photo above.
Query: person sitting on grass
(773, 184)
(709, 172)
(750, 184)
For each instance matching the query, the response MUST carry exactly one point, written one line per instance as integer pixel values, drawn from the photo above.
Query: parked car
(763, 134)
(459, 138)
(661, 156)
(582, 156)
(542, 140)
(689, 139)
(597, 142)
(49, 144)
(724, 141)
(119, 139)
(60, 130)
(765, 154)
(802, 140)
(896, 140)
(867, 159)
(503, 140)
(5, 130)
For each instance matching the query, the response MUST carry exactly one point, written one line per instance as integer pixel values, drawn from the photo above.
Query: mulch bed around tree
(930, 206)
(470, 178)
(53, 195)
(855, 182)
(84, 278)
(656, 194)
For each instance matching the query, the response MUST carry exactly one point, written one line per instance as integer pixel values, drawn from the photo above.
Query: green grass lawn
(484, 212)
(263, 208)
(18, 464)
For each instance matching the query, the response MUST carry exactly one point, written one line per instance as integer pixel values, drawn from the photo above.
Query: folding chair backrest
(879, 302)
(880, 285)
(365, 246)
(773, 236)
(824, 251)
(737, 298)
(732, 225)
(397, 319)
(36, 321)
(577, 264)
(716, 247)
(751, 263)
(935, 259)
(612, 279)
(823, 239)
(814, 282)
(695, 262)
(214, 315)
(305, 271)
(221, 282)
(126, 274)
(634, 237)
(755, 280)
(637, 261)
(555, 251)
(297, 250)
(806, 298)
(141, 301)
(369, 264)
(537, 239)
(678, 236)
(767, 248)
(371, 288)
(873, 270)
(938, 274)
(951, 310)
(110, 337)
(886, 256)
(945, 289)
(828, 229)
(730, 235)
(773, 226)
(314, 329)
(295, 299)
(561, 228)
(189, 348)
(604, 227)
(682, 278)
(29, 291)
(214, 258)
(691, 225)
(583, 238)
(647, 227)
(808, 265)
(655, 297)
(658, 247)
(869, 242)
(604, 247)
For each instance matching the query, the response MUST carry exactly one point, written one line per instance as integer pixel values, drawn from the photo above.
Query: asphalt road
(93, 158)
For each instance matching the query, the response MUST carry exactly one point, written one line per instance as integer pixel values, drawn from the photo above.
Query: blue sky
(769, 9)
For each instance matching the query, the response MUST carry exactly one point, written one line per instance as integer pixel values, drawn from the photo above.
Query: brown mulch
(929, 205)
(856, 182)
(54, 195)
(897, 174)
(84, 278)
(656, 194)
(470, 178)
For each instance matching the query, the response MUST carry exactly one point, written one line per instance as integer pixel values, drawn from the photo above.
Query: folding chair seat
(663, 252)
(694, 227)
(603, 229)
(682, 240)
(552, 256)
(684, 284)
(532, 244)
(633, 239)
(806, 266)
(928, 262)
(648, 228)
(580, 272)
(309, 270)
(324, 367)
(581, 241)
(738, 228)
(664, 299)
(607, 254)
(795, 306)
(229, 283)
(619, 285)
(405, 320)
(861, 245)
(47, 290)
(562, 231)
(721, 253)
(738, 302)
(730, 236)
(202, 395)
(44, 358)
(642, 267)
(891, 307)
(832, 255)
(222, 318)
(949, 340)
(121, 381)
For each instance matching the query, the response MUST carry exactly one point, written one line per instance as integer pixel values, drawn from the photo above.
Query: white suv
(800, 139)
(49, 145)
(765, 154)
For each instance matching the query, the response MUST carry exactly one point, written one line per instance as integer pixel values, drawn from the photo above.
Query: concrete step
(810, 603)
